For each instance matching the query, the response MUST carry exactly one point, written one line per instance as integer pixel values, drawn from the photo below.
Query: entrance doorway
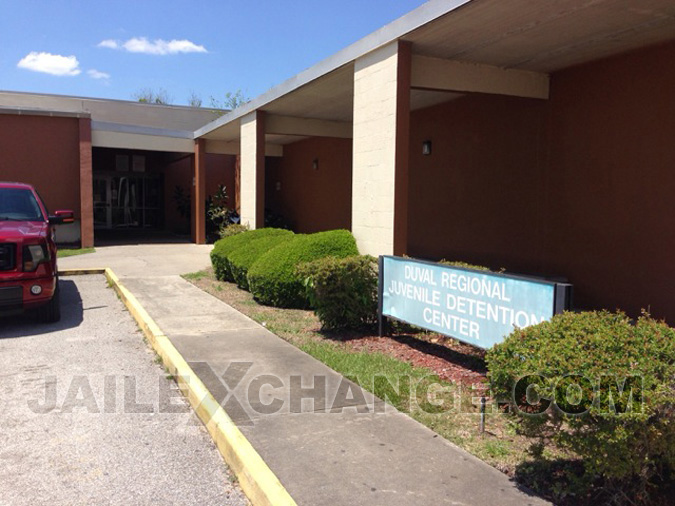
(128, 201)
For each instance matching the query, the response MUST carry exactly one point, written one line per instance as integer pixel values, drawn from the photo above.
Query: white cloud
(97, 74)
(156, 47)
(48, 63)
(110, 43)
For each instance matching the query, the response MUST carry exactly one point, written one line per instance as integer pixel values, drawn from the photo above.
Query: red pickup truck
(28, 273)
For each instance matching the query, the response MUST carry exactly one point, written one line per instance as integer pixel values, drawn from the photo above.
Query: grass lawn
(447, 378)
(63, 253)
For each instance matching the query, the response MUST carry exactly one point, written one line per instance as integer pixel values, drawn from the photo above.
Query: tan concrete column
(252, 176)
(86, 185)
(381, 149)
(199, 200)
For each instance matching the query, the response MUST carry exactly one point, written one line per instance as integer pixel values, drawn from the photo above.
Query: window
(19, 204)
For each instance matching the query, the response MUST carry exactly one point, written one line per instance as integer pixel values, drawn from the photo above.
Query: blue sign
(480, 308)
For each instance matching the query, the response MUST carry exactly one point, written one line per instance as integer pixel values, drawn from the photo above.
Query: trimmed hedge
(242, 258)
(273, 279)
(342, 291)
(226, 246)
(569, 379)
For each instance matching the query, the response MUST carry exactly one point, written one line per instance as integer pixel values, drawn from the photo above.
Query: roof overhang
(159, 116)
(519, 36)
(117, 135)
(29, 111)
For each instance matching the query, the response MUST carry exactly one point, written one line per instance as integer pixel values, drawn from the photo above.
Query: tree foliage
(194, 100)
(231, 100)
(150, 96)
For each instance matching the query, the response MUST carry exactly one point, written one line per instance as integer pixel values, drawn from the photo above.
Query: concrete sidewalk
(338, 445)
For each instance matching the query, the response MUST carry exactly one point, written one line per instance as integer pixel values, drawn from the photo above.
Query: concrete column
(86, 185)
(199, 186)
(252, 177)
(381, 149)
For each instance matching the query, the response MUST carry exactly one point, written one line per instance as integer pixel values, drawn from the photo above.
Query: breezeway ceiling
(330, 97)
(341, 109)
(544, 35)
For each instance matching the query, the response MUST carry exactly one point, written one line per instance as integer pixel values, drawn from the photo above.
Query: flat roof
(158, 116)
(29, 94)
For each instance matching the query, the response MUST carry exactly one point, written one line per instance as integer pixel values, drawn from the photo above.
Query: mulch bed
(450, 360)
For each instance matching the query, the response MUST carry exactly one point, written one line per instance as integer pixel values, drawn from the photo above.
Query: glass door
(102, 216)
(128, 201)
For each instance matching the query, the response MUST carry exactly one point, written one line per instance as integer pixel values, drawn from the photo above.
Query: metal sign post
(381, 320)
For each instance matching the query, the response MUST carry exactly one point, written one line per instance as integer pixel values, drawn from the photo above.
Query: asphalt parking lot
(87, 416)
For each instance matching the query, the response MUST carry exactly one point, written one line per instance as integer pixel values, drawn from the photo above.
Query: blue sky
(115, 48)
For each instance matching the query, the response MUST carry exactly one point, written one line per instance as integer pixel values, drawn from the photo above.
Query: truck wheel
(51, 312)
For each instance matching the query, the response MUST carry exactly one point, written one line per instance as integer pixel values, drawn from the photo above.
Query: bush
(244, 256)
(456, 263)
(217, 213)
(624, 441)
(342, 291)
(224, 247)
(232, 229)
(219, 259)
(273, 278)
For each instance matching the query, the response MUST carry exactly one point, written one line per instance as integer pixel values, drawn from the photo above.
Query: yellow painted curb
(256, 479)
(81, 272)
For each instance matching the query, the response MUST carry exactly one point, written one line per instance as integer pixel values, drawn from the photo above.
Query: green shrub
(241, 259)
(219, 259)
(224, 247)
(273, 278)
(217, 213)
(342, 291)
(232, 229)
(623, 440)
(465, 265)
(457, 263)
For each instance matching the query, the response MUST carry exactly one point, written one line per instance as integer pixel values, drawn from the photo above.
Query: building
(117, 164)
(535, 136)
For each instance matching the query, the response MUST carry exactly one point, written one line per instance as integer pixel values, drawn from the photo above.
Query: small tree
(217, 213)
(150, 96)
(231, 100)
(194, 100)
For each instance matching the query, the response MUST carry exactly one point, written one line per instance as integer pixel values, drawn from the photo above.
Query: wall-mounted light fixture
(426, 148)
(315, 164)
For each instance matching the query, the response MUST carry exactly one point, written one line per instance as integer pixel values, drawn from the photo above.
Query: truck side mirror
(62, 216)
